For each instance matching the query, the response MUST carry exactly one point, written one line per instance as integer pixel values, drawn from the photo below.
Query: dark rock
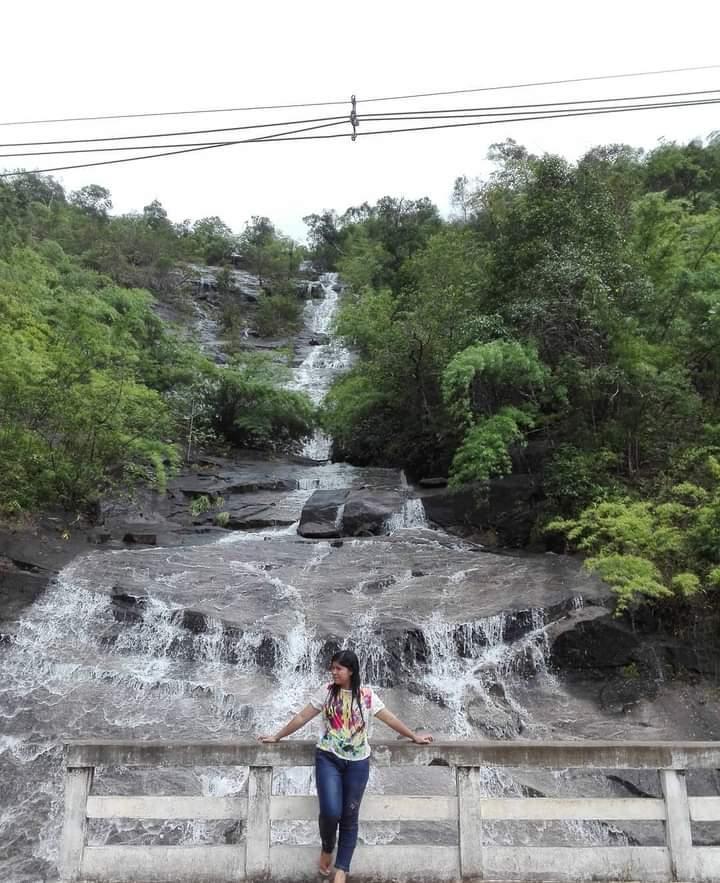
(29, 558)
(198, 485)
(433, 482)
(319, 340)
(505, 509)
(17, 590)
(336, 544)
(193, 621)
(142, 539)
(266, 654)
(127, 607)
(123, 598)
(257, 520)
(416, 572)
(10, 565)
(322, 514)
(621, 693)
(697, 659)
(375, 586)
(252, 486)
(366, 512)
(602, 643)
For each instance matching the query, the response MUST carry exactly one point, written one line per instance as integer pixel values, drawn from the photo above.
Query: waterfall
(225, 641)
(323, 362)
(412, 515)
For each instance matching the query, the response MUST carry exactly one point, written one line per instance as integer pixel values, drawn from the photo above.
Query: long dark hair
(348, 659)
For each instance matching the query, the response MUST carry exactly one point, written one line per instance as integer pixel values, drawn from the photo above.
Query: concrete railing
(258, 859)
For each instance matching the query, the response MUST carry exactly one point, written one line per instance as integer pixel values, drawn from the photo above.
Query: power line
(293, 136)
(335, 103)
(554, 116)
(400, 116)
(172, 134)
(507, 107)
(548, 104)
(531, 114)
(174, 113)
(110, 162)
(676, 70)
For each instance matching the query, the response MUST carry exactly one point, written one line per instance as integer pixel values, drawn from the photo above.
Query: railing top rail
(553, 755)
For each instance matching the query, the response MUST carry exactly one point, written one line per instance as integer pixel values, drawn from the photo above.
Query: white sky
(81, 58)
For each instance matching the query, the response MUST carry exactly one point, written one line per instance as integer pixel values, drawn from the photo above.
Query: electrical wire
(548, 104)
(514, 108)
(295, 136)
(110, 162)
(530, 114)
(400, 116)
(676, 70)
(335, 103)
(172, 134)
(566, 115)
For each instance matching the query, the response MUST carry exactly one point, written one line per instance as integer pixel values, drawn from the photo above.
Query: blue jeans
(340, 787)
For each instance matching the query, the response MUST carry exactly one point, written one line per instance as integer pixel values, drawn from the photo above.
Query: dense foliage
(94, 388)
(574, 307)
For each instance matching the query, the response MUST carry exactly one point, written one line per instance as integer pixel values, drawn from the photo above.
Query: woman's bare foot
(324, 863)
(340, 876)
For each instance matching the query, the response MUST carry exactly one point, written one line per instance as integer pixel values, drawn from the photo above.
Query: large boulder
(348, 512)
(436, 481)
(322, 514)
(598, 644)
(366, 512)
(503, 510)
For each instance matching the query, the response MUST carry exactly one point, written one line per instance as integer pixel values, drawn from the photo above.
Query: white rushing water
(325, 360)
(78, 665)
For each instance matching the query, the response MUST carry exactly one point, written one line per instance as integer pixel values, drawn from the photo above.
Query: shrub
(278, 314)
(252, 409)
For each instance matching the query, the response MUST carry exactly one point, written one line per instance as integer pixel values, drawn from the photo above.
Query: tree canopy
(95, 389)
(575, 306)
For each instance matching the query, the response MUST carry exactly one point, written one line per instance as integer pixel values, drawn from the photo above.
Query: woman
(342, 755)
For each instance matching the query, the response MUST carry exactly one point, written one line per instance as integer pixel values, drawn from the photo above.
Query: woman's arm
(300, 719)
(387, 717)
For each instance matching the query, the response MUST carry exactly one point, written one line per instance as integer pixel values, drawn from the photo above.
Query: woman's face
(340, 675)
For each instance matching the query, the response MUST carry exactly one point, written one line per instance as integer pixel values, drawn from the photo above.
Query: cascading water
(412, 514)
(326, 359)
(225, 641)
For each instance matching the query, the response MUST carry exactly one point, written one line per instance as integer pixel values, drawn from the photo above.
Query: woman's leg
(354, 781)
(328, 780)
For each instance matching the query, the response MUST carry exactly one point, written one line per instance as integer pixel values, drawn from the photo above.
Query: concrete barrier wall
(469, 860)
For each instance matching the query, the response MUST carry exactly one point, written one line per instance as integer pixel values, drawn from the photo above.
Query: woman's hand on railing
(422, 738)
(267, 738)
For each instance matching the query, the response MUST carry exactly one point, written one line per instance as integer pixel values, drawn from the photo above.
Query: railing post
(257, 832)
(677, 826)
(469, 822)
(78, 781)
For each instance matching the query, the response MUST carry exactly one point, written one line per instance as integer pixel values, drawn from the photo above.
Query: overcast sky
(84, 58)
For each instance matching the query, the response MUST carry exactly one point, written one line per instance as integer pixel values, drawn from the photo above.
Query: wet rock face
(601, 644)
(18, 587)
(322, 514)
(504, 509)
(266, 583)
(348, 513)
(366, 513)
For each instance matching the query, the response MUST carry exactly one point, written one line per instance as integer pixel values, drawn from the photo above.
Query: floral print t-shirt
(345, 734)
